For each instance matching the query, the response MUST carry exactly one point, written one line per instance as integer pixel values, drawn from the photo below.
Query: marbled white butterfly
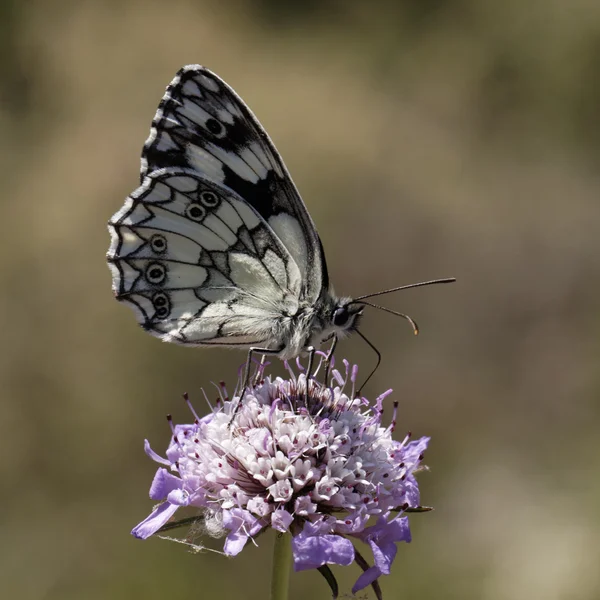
(216, 246)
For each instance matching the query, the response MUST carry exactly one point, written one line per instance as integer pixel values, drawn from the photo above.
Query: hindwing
(199, 264)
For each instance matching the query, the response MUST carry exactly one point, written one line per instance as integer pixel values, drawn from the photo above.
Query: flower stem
(282, 562)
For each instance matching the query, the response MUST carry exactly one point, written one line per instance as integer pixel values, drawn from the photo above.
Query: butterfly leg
(311, 358)
(259, 369)
(372, 346)
(246, 379)
(329, 358)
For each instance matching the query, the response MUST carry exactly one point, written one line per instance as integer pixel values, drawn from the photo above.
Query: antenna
(407, 287)
(393, 312)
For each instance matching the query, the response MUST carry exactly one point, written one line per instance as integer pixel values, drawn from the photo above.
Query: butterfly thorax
(313, 324)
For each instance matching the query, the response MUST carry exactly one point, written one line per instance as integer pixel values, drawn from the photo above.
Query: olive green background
(428, 139)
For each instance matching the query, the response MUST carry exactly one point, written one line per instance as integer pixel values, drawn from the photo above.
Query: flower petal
(154, 521)
(312, 550)
(384, 556)
(367, 578)
(163, 484)
(382, 537)
(242, 526)
(179, 497)
(156, 457)
(281, 519)
(235, 543)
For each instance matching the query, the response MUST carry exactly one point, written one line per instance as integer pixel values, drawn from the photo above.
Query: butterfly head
(345, 317)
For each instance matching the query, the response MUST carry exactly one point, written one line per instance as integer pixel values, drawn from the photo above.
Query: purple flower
(242, 525)
(314, 546)
(382, 538)
(318, 464)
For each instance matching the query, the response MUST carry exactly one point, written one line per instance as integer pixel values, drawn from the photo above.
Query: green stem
(282, 563)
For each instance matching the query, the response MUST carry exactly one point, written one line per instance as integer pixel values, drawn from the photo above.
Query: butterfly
(216, 247)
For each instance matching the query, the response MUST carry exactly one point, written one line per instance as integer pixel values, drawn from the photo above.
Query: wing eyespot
(156, 273)
(216, 128)
(161, 304)
(195, 211)
(158, 243)
(209, 199)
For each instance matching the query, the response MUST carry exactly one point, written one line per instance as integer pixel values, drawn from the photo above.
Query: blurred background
(428, 139)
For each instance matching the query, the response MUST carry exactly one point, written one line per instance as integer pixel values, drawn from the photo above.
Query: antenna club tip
(416, 332)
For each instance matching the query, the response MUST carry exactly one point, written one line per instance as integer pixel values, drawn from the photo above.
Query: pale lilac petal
(155, 457)
(313, 548)
(179, 497)
(235, 543)
(400, 531)
(396, 530)
(322, 526)
(164, 483)
(414, 449)
(367, 578)
(412, 496)
(311, 552)
(384, 556)
(352, 523)
(242, 525)
(382, 537)
(281, 519)
(154, 521)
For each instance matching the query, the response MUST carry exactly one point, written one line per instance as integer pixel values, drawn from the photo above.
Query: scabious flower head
(319, 464)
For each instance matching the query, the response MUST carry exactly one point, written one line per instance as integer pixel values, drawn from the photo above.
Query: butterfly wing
(200, 265)
(203, 125)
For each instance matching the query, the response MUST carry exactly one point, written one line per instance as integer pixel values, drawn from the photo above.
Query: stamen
(220, 389)
(212, 409)
(175, 437)
(275, 404)
(289, 369)
(407, 438)
(224, 390)
(379, 400)
(353, 378)
(392, 426)
(170, 421)
(323, 357)
(338, 377)
(190, 407)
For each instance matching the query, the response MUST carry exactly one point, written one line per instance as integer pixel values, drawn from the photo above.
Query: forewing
(202, 124)
(198, 264)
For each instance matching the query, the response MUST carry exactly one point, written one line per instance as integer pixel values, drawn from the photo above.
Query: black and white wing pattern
(199, 265)
(203, 125)
(216, 245)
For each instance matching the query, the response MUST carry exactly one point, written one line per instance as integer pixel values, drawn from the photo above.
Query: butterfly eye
(155, 273)
(158, 243)
(195, 211)
(215, 127)
(341, 316)
(209, 199)
(161, 304)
